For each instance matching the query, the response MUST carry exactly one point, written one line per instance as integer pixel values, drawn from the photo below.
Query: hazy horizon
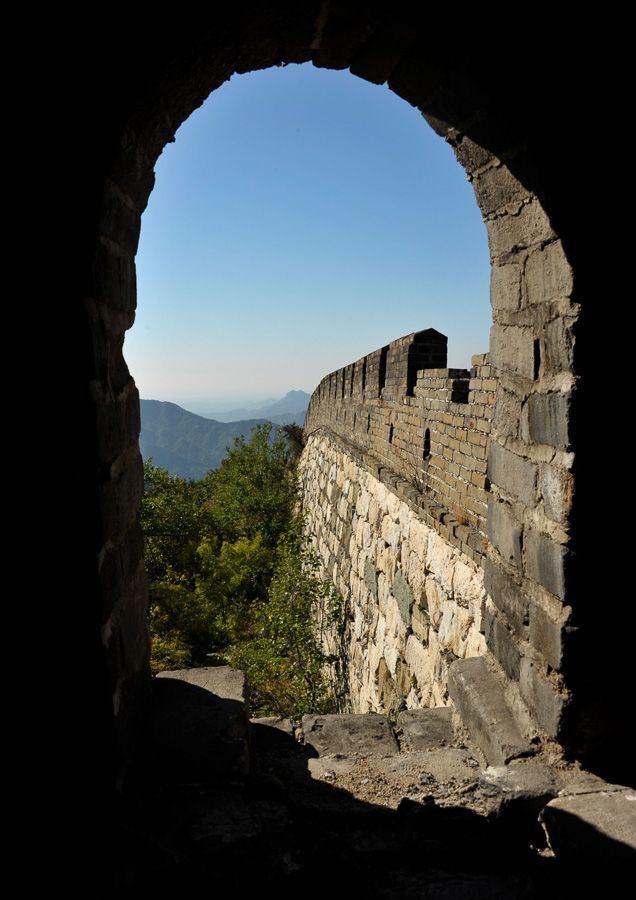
(205, 407)
(302, 219)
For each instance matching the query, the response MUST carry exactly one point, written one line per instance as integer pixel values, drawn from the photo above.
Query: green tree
(184, 634)
(295, 437)
(175, 518)
(210, 548)
(232, 577)
(289, 671)
(251, 492)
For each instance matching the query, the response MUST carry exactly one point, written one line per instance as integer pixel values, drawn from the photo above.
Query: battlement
(422, 425)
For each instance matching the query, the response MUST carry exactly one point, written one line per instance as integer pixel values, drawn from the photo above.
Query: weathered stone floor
(346, 803)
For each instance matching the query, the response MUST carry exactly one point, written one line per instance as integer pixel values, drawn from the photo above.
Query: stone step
(349, 733)
(593, 824)
(480, 701)
(199, 726)
(400, 813)
(584, 819)
(427, 729)
(359, 756)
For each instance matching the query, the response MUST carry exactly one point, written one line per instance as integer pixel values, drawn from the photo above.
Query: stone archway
(501, 124)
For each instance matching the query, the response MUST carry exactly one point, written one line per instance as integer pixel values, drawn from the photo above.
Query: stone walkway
(348, 803)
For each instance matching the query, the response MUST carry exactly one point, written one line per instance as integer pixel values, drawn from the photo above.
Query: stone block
(507, 596)
(512, 349)
(371, 578)
(332, 734)
(427, 729)
(496, 187)
(548, 275)
(480, 701)
(548, 418)
(471, 155)
(546, 702)
(557, 489)
(559, 346)
(505, 287)
(504, 532)
(546, 635)
(524, 225)
(420, 623)
(545, 562)
(501, 644)
(594, 829)
(507, 413)
(523, 787)
(271, 734)
(513, 474)
(199, 725)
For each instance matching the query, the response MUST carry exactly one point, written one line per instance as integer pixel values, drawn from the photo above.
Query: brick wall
(423, 424)
(412, 602)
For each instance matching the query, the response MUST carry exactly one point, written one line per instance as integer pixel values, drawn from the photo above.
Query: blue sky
(302, 219)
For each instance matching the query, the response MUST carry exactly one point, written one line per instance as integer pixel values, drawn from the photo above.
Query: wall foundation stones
(414, 602)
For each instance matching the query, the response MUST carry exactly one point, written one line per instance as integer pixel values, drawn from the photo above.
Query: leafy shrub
(287, 667)
(232, 577)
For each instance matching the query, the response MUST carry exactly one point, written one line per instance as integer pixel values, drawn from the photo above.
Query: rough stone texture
(548, 274)
(504, 532)
(329, 735)
(545, 562)
(508, 597)
(557, 489)
(544, 697)
(427, 424)
(512, 348)
(548, 419)
(502, 644)
(403, 596)
(200, 725)
(513, 474)
(413, 601)
(481, 703)
(505, 287)
(526, 785)
(546, 635)
(427, 729)
(594, 827)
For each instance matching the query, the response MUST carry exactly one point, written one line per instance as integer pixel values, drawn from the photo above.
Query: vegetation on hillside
(232, 578)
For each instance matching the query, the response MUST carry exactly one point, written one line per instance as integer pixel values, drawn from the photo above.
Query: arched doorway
(502, 128)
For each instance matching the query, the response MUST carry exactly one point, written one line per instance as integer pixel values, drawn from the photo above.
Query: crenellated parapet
(421, 426)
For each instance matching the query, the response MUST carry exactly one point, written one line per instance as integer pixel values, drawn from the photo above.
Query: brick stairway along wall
(396, 494)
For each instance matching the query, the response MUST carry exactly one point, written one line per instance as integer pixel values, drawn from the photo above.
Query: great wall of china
(554, 617)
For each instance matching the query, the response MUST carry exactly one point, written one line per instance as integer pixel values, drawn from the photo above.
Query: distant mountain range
(189, 445)
(291, 408)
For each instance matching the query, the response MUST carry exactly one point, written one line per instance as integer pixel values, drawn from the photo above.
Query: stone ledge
(349, 733)
(594, 828)
(199, 726)
(480, 701)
